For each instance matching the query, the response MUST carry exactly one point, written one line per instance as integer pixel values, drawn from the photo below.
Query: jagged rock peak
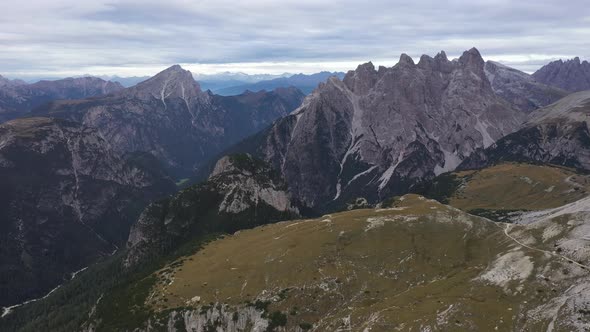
(173, 82)
(406, 59)
(362, 79)
(572, 75)
(424, 59)
(440, 62)
(441, 56)
(472, 58)
(176, 73)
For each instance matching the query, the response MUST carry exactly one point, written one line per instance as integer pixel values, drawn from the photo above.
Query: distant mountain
(305, 83)
(5, 82)
(557, 134)
(17, 98)
(170, 117)
(379, 132)
(215, 82)
(124, 81)
(67, 199)
(521, 89)
(571, 75)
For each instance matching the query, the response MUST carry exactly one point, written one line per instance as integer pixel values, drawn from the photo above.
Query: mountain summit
(571, 75)
(173, 82)
(170, 117)
(378, 132)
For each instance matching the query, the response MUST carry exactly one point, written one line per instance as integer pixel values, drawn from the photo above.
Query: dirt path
(509, 226)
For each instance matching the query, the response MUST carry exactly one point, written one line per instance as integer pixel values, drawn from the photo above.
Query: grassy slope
(509, 187)
(415, 265)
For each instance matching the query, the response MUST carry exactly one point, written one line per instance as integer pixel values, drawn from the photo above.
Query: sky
(57, 38)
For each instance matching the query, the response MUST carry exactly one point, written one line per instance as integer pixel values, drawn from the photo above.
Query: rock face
(521, 89)
(379, 132)
(170, 117)
(557, 134)
(17, 98)
(242, 192)
(66, 200)
(571, 75)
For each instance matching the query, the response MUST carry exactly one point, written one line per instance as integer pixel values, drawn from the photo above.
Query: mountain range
(17, 97)
(572, 75)
(305, 83)
(438, 194)
(170, 117)
(378, 132)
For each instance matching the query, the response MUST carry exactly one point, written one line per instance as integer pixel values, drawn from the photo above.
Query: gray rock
(557, 134)
(521, 89)
(67, 199)
(571, 75)
(380, 132)
(17, 97)
(170, 117)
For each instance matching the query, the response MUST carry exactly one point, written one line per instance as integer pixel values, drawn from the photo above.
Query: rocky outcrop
(571, 75)
(170, 117)
(216, 317)
(242, 192)
(67, 199)
(521, 89)
(17, 98)
(380, 131)
(557, 134)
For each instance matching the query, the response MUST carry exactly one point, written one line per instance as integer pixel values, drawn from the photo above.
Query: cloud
(138, 37)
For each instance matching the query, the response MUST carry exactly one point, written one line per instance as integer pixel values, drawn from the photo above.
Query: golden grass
(384, 269)
(519, 187)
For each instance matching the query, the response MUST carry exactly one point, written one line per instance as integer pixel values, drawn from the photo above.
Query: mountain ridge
(379, 131)
(572, 75)
(17, 98)
(170, 116)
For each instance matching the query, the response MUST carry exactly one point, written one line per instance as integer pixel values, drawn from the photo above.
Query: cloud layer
(139, 37)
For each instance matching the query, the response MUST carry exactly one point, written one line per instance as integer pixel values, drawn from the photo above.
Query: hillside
(557, 134)
(414, 265)
(497, 191)
(67, 200)
(521, 89)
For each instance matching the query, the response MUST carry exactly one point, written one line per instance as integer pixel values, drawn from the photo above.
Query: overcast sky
(141, 37)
